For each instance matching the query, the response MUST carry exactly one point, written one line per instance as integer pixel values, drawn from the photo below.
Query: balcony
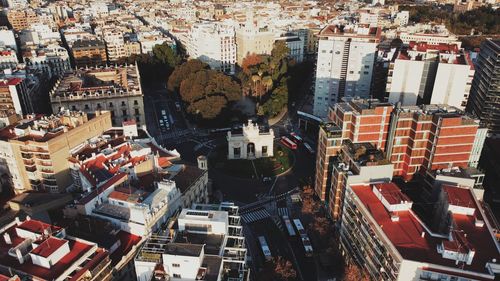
(26, 155)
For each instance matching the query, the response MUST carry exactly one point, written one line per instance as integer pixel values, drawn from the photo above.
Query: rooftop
(414, 241)
(183, 249)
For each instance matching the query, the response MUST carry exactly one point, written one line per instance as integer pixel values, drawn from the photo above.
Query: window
(137, 111)
(110, 104)
(123, 103)
(98, 105)
(124, 112)
(176, 265)
(177, 275)
(135, 102)
(137, 119)
(73, 108)
(264, 150)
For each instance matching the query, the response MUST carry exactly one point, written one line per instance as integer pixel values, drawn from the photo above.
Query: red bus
(288, 143)
(296, 138)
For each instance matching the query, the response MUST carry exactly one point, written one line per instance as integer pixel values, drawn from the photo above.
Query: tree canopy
(206, 92)
(278, 269)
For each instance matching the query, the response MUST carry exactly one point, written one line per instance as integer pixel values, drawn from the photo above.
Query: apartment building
(7, 38)
(329, 144)
(126, 178)
(430, 74)
(295, 46)
(113, 88)
(253, 39)
(346, 57)
(432, 137)
(115, 47)
(14, 95)
(415, 139)
(205, 242)
(88, 53)
(34, 250)
(52, 59)
(8, 59)
(483, 100)
(21, 19)
(388, 235)
(40, 145)
(430, 38)
(355, 163)
(214, 44)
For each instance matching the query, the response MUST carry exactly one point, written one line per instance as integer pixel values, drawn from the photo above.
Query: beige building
(132, 48)
(116, 89)
(36, 149)
(252, 39)
(21, 19)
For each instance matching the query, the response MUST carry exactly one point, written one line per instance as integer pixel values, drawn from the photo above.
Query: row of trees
(484, 20)
(205, 92)
(265, 77)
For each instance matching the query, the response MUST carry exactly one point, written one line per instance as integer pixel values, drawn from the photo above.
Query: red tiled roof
(102, 188)
(96, 260)
(11, 82)
(36, 226)
(127, 242)
(48, 247)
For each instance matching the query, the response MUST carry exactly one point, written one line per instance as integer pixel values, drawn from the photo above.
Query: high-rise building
(484, 96)
(415, 139)
(430, 74)
(393, 238)
(40, 145)
(346, 57)
(116, 89)
(205, 243)
(21, 19)
(214, 44)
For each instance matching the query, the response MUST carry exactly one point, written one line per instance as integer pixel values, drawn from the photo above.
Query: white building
(52, 59)
(345, 65)
(250, 142)
(402, 18)
(430, 38)
(214, 44)
(207, 244)
(295, 46)
(115, 48)
(8, 58)
(7, 38)
(430, 74)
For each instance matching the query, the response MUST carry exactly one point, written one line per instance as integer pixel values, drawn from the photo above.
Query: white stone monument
(251, 142)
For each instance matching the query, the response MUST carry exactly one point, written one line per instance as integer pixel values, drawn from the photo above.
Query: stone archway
(250, 150)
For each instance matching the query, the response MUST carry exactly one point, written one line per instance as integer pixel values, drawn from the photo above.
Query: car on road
(178, 106)
(309, 148)
(267, 179)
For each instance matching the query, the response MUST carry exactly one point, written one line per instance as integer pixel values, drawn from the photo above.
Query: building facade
(253, 39)
(88, 53)
(250, 142)
(116, 89)
(483, 100)
(346, 59)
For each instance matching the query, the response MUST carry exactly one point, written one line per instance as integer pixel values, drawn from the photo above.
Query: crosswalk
(256, 215)
(283, 212)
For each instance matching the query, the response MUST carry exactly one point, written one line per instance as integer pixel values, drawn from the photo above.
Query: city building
(40, 145)
(250, 142)
(430, 38)
(430, 74)
(8, 59)
(483, 99)
(253, 39)
(346, 57)
(34, 250)
(14, 96)
(53, 60)
(203, 243)
(88, 53)
(7, 38)
(356, 163)
(113, 88)
(21, 19)
(115, 47)
(415, 139)
(214, 44)
(392, 238)
(295, 46)
(126, 178)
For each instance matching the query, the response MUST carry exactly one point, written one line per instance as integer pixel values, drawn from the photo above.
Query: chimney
(7, 239)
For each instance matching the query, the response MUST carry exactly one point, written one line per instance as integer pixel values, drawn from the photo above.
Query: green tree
(182, 71)
(164, 54)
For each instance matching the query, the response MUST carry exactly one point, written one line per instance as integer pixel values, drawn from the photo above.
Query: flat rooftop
(213, 242)
(183, 249)
(406, 233)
